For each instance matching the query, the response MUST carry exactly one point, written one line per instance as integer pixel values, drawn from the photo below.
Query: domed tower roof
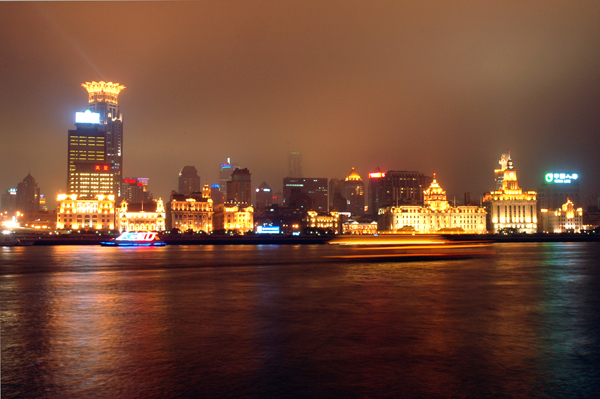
(435, 196)
(353, 176)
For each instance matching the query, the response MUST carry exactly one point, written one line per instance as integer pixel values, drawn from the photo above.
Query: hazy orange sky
(433, 86)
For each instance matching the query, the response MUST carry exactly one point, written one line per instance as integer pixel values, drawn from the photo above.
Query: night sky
(432, 86)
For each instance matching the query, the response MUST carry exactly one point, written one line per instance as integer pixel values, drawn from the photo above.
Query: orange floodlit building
(85, 213)
(510, 208)
(565, 219)
(436, 216)
(231, 217)
(141, 216)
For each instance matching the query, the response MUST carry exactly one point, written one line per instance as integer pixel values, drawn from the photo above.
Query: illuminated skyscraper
(103, 100)
(295, 164)
(88, 169)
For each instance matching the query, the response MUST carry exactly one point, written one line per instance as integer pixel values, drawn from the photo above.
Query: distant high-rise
(264, 196)
(239, 187)
(354, 192)
(403, 188)
(225, 175)
(134, 190)
(9, 201)
(337, 202)
(376, 180)
(216, 194)
(189, 181)
(298, 191)
(295, 164)
(28, 195)
(95, 148)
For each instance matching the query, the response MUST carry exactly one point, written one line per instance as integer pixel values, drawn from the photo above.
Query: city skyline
(398, 87)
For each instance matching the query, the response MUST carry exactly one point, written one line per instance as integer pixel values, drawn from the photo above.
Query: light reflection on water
(270, 321)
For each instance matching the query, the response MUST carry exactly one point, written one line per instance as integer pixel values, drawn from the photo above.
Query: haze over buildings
(429, 87)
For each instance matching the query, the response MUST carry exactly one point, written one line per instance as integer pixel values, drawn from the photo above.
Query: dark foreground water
(279, 321)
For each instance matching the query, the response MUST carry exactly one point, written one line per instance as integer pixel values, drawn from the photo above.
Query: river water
(284, 322)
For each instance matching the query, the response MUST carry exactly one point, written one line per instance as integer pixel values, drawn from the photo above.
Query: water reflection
(268, 321)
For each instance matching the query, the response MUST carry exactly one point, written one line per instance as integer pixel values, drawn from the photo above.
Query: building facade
(85, 213)
(359, 228)
(191, 212)
(510, 209)
(230, 217)
(322, 222)
(141, 217)
(566, 219)
(435, 216)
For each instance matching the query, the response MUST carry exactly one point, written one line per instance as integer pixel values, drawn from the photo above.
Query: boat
(407, 247)
(9, 240)
(135, 239)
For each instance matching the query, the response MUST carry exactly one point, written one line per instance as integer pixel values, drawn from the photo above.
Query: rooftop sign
(87, 117)
(561, 177)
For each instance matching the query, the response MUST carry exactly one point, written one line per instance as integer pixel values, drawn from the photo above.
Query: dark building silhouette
(354, 192)
(315, 188)
(402, 188)
(28, 195)
(216, 194)
(295, 164)
(9, 201)
(264, 196)
(135, 190)
(376, 180)
(337, 202)
(189, 181)
(239, 187)
(224, 176)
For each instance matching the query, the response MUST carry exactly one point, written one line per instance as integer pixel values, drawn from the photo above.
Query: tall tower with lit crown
(104, 100)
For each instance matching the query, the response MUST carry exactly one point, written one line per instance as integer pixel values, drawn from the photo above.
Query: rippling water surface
(281, 321)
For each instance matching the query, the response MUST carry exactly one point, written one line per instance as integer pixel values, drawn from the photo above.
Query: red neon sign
(97, 167)
(130, 181)
(376, 175)
(105, 167)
